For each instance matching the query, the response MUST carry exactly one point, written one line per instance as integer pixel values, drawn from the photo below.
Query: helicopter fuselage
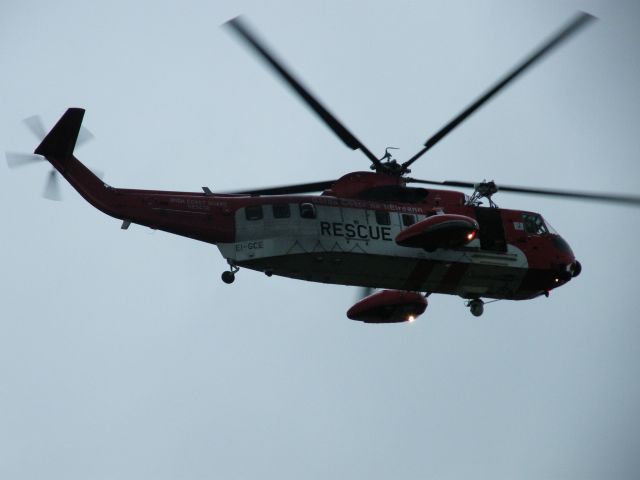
(352, 242)
(347, 235)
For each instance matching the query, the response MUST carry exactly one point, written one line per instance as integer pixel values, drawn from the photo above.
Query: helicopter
(378, 230)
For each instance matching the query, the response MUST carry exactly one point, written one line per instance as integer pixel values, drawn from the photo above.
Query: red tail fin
(61, 140)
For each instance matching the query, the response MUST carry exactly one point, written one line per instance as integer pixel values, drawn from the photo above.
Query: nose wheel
(476, 306)
(229, 276)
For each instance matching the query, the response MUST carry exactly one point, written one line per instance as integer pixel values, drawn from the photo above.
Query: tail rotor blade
(84, 136)
(52, 187)
(15, 159)
(36, 126)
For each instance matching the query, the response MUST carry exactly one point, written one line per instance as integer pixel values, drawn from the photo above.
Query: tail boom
(208, 218)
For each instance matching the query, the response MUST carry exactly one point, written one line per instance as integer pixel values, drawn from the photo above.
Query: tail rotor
(18, 159)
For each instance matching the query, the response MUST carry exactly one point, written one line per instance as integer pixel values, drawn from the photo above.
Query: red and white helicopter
(367, 229)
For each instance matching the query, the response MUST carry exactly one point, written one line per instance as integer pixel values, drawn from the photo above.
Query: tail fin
(61, 140)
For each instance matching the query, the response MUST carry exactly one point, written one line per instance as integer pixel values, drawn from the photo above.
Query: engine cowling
(389, 306)
(439, 231)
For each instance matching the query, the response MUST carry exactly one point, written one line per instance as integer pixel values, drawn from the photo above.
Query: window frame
(311, 208)
(386, 216)
(535, 219)
(408, 223)
(256, 208)
(278, 208)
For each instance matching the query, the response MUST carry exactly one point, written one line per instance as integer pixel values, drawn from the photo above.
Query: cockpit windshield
(534, 224)
(550, 228)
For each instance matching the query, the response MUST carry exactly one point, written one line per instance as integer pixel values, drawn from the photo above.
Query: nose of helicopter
(576, 268)
(566, 265)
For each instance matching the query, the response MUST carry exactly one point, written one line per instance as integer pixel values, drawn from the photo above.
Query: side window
(383, 218)
(408, 219)
(281, 210)
(253, 212)
(307, 210)
(533, 224)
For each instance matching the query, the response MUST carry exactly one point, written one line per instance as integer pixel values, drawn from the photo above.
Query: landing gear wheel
(228, 277)
(477, 307)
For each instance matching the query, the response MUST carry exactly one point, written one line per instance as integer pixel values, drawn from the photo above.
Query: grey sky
(122, 354)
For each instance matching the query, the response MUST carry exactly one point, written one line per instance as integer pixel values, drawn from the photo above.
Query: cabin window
(253, 212)
(408, 219)
(534, 224)
(307, 210)
(383, 218)
(281, 210)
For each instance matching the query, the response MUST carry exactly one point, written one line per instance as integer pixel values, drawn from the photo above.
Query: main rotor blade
(239, 26)
(289, 189)
(594, 196)
(572, 27)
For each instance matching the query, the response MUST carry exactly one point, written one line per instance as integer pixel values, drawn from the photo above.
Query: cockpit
(534, 224)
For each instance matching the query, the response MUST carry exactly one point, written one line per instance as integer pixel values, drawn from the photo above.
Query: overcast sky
(123, 355)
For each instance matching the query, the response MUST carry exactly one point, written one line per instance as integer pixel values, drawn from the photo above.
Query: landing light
(411, 319)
